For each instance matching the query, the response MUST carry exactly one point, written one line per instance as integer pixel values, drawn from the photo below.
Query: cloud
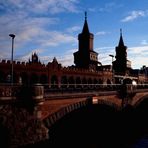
(102, 33)
(104, 53)
(92, 9)
(144, 42)
(30, 21)
(134, 15)
(109, 7)
(67, 59)
(138, 56)
(28, 55)
(73, 29)
(41, 6)
(139, 50)
(56, 38)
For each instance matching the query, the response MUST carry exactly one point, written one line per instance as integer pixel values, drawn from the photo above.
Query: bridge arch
(140, 100)
(80, 124)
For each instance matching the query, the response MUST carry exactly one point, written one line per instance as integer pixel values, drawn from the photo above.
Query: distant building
(87, 71)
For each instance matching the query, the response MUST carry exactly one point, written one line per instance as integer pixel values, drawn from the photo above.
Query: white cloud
(102, 33)
(144, 42)
(28, 55)
(140, 50)
(134, 15)
(92, 9)
(138, 56)
(55, 38)
(42, 6)
(68, 58)
(104, 53)
(73, 29)
(109, 7)
(30, 21)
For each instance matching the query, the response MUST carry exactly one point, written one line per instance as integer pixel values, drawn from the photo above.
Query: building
(121, 65)
(85, 51)
(88, 72)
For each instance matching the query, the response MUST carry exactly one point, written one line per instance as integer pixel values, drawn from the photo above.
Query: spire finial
(85, 15)
(120, 31)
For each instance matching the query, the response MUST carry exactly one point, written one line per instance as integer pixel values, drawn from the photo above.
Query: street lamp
(12, 36)
(112, 56)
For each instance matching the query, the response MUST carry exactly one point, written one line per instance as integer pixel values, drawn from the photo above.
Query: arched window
(64, 82)
(71, 82)
(24, 78)
(78, 82)
(34, 79)
(43, 79)
(54, 81)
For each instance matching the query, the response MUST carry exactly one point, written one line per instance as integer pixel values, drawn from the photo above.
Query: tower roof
(85, 27)
(121, 43)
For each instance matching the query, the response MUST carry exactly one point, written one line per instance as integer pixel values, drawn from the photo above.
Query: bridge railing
(15, 92)
(80, 87)
(36, 91)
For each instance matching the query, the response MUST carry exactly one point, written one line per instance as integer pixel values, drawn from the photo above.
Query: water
(142, 143)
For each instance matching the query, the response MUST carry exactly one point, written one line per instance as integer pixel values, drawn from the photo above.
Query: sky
(51, 27)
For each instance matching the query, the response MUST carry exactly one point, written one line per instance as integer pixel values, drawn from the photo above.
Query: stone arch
(90, 82)
(24, 77)
(34, 78)
(78, 82)
(109, 86)
(81, 113)
(84, 83)
(8, 77)
(54, 81)
(64, 82)
(71, 82)
(140, 100)
(109, 103)
(43, 79)
(95, 82)
(100, 81)
(2, 77)
(127, 81)
(108, 81)
(15, 77)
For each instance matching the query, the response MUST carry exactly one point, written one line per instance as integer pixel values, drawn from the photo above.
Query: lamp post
(112, 56)
(12, 36)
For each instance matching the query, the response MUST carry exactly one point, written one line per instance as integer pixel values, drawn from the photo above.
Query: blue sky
(51, 27)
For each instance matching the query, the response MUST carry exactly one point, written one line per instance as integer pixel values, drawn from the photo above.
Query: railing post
(38, 99)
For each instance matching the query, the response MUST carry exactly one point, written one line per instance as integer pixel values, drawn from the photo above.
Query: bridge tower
(85, 57)
(120, 64)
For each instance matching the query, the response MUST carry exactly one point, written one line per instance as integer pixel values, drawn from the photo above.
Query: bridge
(49, 107)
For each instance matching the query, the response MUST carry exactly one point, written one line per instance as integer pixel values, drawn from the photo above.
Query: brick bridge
(56, 106)
(50, 107)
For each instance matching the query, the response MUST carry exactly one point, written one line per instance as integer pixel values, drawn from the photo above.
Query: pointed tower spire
(85, 27)
(85, 15)
(121, 43)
